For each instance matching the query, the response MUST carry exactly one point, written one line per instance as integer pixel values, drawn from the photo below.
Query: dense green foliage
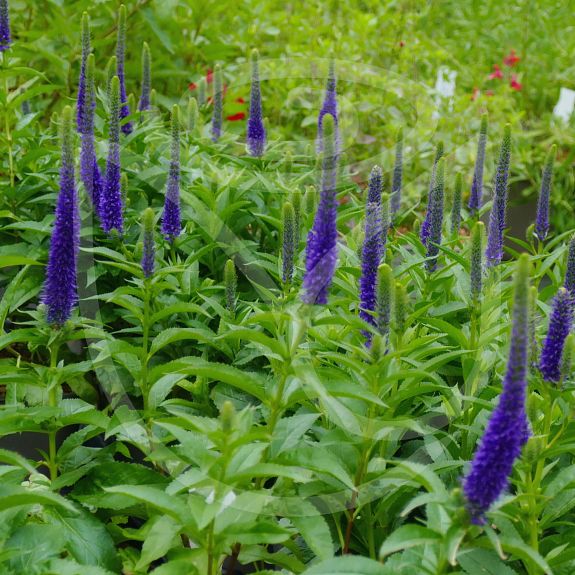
(204, 416)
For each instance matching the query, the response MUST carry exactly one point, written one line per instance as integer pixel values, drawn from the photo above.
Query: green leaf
(347, 566)
(408, 536)
(159, 540)
(483, 562)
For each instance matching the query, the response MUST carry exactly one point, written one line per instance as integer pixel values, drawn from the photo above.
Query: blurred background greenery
(389, 54)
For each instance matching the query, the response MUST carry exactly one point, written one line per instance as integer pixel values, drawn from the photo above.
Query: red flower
(475, 94)
(489, 92)
(236, 117)
(192, 85)
(515, 85)
(240, 101)
(402, 44)
(511, 59)
(209, 76)
(496, 74)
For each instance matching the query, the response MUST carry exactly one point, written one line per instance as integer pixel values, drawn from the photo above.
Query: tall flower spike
(559, 327)
(321, 248)
(425, 226)
(61, 287)
(497, 217)
(5, 35)
(89, 170)
(397, 173)
(296, 201)
(82, 101)
(507, 429)
(111, 207)
(372, 249)
(567, 360)
(542, 219)
(171, 220)
(120, 69)
(436, 218)
(149, 251)
(231, 284)
(110, 73)
(400, 308)
(329, 107)
(218, 114)
(202, 90)
(456, 206)
(476, 273)
(256, 137)
(145, 102)
(288, 242)
(476, 196)
(385, 285)
(533, 346)
(570, 272)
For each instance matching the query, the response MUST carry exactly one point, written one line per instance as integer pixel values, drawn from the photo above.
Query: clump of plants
(218, 357)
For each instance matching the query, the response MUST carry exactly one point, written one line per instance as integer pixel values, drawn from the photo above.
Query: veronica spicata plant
(120, 69)
(5, 34)
(145, 95)
(542, 218)
(321, 248)
(476, 196)
(171, 220)
(256, 136)
(61, 285)
(498, 214)
(426, 225)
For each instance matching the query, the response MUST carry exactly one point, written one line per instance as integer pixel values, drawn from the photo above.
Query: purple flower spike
(476, 197)
(111, 199)
(145, 101)
(507, 429)
(218, 99)
(372, 249)
(149, 249)
(559, 327)
(5, 35)
(120, 63)
(497, 217)
(321, 248)
(329, 107)
(542, 219)
(256, 138)
(61, 287)
(436, 217)
(425, 227)
(83, 103)
(171, 222)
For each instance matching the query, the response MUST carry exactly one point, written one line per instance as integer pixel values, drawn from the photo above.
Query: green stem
(7, 128)
(145, 345)
(53, 402)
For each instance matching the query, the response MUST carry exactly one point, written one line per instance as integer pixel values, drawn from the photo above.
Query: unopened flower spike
(425, 226)
(397, 173)
(436, 217)
(145, 96)
(456, 206)
(385, 289)
(498, 215)
(61, 286)
(476, 197)
(288, 242)
(218, 100)
(149, 249)
(83, 99)
(542, 218)
(231, 284)
(120, 69)
(476, 274)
